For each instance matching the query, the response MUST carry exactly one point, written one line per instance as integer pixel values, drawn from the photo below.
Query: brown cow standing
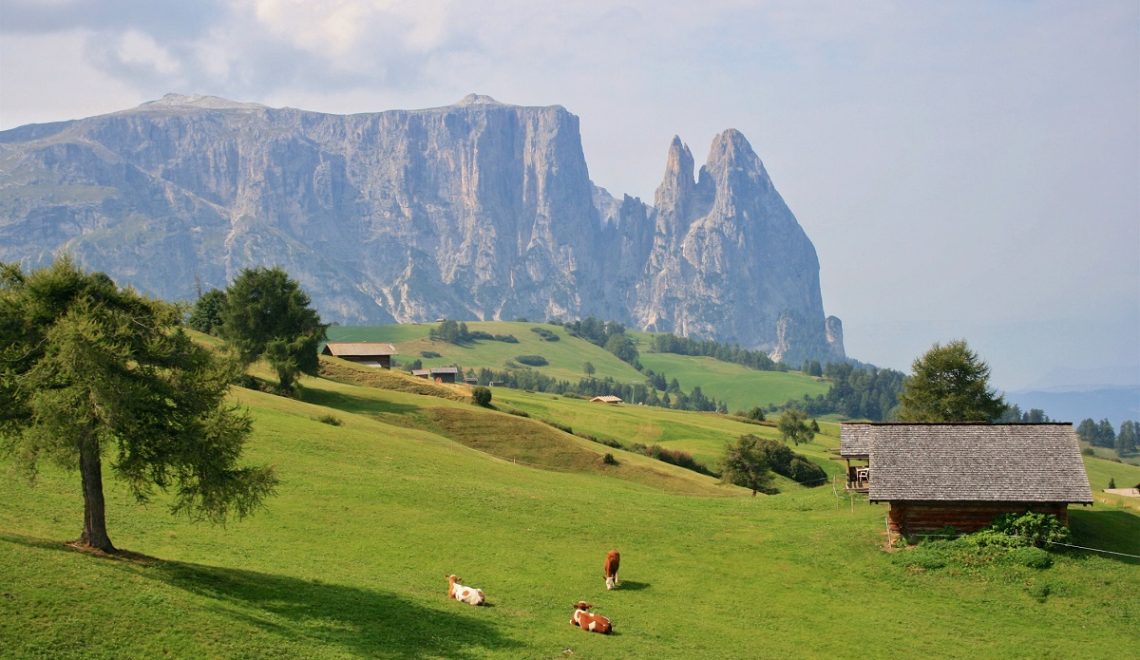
(610, 569)
(591, 622)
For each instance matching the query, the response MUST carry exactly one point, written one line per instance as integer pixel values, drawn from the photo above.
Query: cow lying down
(469, 595)
(591, 622)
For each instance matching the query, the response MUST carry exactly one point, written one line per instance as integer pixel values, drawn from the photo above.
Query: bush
(545, 335)
(531, 360)
(676, 457)
(509, 339)
(1031, 557)
(429, 354)
(481, 396)
(330, 420)
(1038, 529)
(609, 459)
(805, 472)
(1039, 592)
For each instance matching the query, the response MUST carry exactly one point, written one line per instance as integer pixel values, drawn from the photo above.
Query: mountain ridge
(477, 210)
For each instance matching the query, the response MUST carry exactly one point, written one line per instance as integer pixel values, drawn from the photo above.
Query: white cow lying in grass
(456, 590)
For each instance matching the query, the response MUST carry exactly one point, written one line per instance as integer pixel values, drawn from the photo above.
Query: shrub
(1035, 528)
(531, 360)
(481, 396)
(561, 427)
(429, 354)
(609, 459)
(1031, 557)
(509, 339)
(329, 419)
(805, 472)
(676, 457)
(1088, 451)
(1111, 482)
(545, 335)
(1039, 592)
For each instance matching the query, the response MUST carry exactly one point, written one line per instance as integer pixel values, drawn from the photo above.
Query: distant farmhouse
(964, 475)
(608, 398)
(438, 374)
(372, 354)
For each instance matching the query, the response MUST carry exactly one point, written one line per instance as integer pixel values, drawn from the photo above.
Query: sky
(965, 170)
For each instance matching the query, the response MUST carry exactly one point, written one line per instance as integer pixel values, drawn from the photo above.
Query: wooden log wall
(918, 517)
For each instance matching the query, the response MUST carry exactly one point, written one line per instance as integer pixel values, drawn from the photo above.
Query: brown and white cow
(469, 595)
(610, 569)
(591, 622)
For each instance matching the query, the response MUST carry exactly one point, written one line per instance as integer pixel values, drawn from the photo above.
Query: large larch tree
(90, 371)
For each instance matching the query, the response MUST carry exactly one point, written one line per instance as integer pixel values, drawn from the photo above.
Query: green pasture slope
(739, 387)
(349, 558)
(566, 356)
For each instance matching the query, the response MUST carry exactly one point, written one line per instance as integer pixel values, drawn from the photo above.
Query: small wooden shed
(606, 398)
(372, 354)
(964, 475)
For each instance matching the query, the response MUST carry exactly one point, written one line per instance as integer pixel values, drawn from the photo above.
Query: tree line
(1101, 434)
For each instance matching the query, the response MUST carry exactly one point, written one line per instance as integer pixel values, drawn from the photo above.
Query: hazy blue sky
(965, 169)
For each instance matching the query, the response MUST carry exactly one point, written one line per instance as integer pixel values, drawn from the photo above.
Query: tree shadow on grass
(1115, 531)
(355, 404)
(359, 621)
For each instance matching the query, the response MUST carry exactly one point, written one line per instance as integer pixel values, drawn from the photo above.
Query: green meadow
(349, 558)
(739, 387)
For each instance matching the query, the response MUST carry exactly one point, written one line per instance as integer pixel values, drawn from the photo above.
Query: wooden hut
(368, 353)
(964, 475)
(606, 398)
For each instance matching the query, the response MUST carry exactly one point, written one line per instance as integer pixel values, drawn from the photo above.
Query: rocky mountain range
(478, 210)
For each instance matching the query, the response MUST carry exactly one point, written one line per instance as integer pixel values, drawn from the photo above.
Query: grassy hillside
(566, 355)
(349, 558)
(740, 387)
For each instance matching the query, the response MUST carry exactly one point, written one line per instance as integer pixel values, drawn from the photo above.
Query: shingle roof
(362, 348)
(976, 462)
(855, 440)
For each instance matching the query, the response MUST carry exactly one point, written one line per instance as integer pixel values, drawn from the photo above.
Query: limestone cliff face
(478, 210)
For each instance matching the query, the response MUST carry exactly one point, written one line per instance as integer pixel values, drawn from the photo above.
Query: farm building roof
(855, 440)
(974, 462)
(360, 348)
(608, 398)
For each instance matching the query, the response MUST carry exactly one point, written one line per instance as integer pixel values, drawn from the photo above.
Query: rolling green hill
(739, 387)
(349, 558)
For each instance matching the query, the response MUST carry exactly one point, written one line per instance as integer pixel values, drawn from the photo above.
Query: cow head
(582, 605)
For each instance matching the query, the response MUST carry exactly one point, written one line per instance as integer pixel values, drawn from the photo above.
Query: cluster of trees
(454, 332)
(610, 335)
(89, 370)
(668, 343)
(856, 392)
(264, 313)
(1101, 434)
(1015, 415)
(752, 460)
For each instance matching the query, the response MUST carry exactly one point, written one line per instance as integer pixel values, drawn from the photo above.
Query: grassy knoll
(349, 559)
(739, 387)
(565, 356)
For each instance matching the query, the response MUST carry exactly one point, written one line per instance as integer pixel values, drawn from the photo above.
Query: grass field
(566, 356)
(349, 558)
(739, 387)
